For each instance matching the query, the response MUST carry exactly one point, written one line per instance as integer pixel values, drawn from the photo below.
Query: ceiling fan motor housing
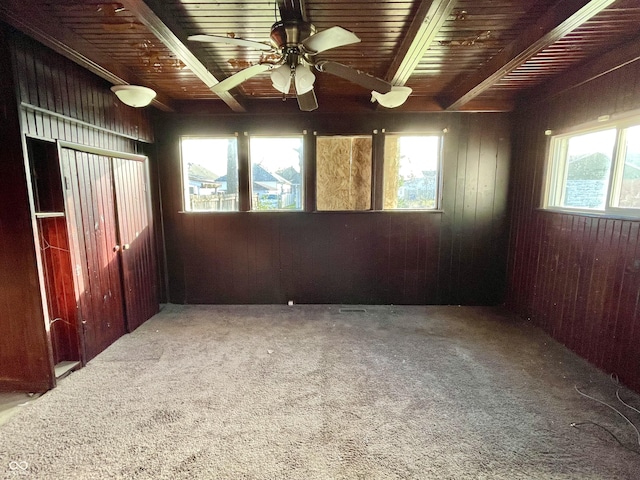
(290, 33)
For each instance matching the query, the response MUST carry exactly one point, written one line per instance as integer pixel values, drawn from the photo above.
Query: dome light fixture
(281, 78)
(134, 95)
(304, 79)
(396, 97)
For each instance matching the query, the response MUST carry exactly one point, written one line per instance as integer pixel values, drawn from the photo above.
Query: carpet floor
(313, 392)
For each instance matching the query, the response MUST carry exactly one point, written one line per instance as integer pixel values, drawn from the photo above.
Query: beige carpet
(307, 392)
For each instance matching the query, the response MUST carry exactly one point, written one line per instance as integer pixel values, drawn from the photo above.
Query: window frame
(309, 162)
(302, 137)
(185, 188)
(556, 171)
(440, 175)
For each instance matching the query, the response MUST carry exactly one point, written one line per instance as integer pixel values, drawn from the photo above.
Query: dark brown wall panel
(453, 257)
(576, 276)
(50, 82)
(136, 237)
(25, 358)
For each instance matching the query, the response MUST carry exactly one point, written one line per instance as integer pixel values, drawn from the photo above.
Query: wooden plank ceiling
(479, 55)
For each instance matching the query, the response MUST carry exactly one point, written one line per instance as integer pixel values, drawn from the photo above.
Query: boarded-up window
(343, 167)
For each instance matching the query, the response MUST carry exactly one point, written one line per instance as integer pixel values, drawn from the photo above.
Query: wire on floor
(589, 422)
(615, 410)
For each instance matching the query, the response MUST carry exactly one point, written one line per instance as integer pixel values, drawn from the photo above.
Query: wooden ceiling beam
(341, 104)
(588, 70)
(158, 20)
(558, 21)
(72, 46)
(428, 20)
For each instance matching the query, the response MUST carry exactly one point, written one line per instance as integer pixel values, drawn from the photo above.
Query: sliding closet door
(135, 226)
(91, 218)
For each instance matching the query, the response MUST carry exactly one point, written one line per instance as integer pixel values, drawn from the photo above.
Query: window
(343, 169)
(411, 172)
(627, 191)
(210, 173)
(596, 171)
(276, 173)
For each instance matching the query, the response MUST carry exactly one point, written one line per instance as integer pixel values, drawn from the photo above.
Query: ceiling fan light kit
(295, 45)
(304, 79)
(281, 78)
(134, 95)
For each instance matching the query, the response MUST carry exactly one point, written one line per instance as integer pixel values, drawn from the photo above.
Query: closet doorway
(95, 229)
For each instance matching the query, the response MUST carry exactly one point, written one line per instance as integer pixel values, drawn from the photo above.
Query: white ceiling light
(281, 78)
(304, 79)
(396, 97)
(134, 95)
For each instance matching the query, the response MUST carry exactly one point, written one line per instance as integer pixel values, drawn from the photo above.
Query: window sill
(592, 214)
(264, 212)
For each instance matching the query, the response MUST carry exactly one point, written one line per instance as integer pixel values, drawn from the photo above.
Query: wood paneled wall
(453, 257)
(25, 356)
(49, 81)
(576, 276)
(44, 95)
(58, 282)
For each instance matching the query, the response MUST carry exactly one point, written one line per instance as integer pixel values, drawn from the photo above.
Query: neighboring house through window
(596, 170)
(207, 166)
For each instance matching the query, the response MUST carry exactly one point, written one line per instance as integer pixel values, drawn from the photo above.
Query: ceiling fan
(292, 55)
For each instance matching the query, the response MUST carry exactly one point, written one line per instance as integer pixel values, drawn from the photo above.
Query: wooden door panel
(77, 247)
(135, 226)
(91, 219)
(107, 269)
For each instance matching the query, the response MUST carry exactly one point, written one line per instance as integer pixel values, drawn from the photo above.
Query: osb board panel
(391, 171)
(343, 173)
(361, 173)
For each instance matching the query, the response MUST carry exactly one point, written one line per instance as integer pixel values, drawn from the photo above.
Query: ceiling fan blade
(235, 80)
(356, 76)
(327, 39)
(307, 101)
(238, 42)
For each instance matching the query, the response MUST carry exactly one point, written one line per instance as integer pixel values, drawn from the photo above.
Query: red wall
(576, 276)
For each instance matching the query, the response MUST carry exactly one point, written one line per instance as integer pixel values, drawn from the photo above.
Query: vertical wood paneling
(77, 245)
(382, 257)
(136, 234)
(59, 282)
(452, 144)
(25, 355)
(93, 212)
(628, 295)
(578, 277)
(48, 81)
